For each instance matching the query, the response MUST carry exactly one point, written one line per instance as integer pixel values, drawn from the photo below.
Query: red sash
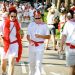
(71, 46)
(37, 43)
(14, 42)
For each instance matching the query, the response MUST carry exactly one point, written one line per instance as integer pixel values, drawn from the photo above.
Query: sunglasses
(13, 16)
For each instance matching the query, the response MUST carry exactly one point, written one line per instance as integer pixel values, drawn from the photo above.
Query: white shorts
(70, 56)
(12, 51)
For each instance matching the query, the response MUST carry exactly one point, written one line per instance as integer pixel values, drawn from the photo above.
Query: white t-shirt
(69, 31)
(31, 12)
(13, 32)
(50, 18)
(26, 12)
(19, 10)
(62, 18)
(34, 28)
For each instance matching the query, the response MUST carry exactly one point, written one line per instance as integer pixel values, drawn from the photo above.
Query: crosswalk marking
(53, 73)
(23, 68)
(43, 71)
(50, 65)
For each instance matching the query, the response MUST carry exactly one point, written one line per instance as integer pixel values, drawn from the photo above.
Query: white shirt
(31, 12)
(50, 18)
(36, 5)
(34, 28)
(26, 12)
(69, 31)
(19, 10)
(13, 32)
(62, 18)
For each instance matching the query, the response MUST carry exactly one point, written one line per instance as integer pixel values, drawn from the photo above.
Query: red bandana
(7, 39)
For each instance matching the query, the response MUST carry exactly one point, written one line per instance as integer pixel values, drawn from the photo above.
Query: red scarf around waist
(70, 45)
(7, 39)
(37, 43)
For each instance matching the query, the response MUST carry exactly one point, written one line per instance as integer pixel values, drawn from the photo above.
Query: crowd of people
(11, 17)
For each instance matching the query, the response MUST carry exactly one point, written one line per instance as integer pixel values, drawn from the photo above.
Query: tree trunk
(37, 1)
(42, 1)
(58, 4)
(72, 1)
(67, 4)
(48, 1)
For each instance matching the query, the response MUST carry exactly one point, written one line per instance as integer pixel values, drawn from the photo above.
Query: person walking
(68, 38)
(62, 21)
(50, 23)
(37, 33)
(3, 13)
(11, 41)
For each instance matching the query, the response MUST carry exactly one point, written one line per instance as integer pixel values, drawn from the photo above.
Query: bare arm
(42, 36)
(28, 38)
(63, 39)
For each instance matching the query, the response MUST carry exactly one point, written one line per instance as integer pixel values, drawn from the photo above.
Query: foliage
(45, 17)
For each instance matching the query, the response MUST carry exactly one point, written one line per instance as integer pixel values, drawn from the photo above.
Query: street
(51, 64)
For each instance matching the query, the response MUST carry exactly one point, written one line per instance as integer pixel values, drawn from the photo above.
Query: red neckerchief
(7, 39)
